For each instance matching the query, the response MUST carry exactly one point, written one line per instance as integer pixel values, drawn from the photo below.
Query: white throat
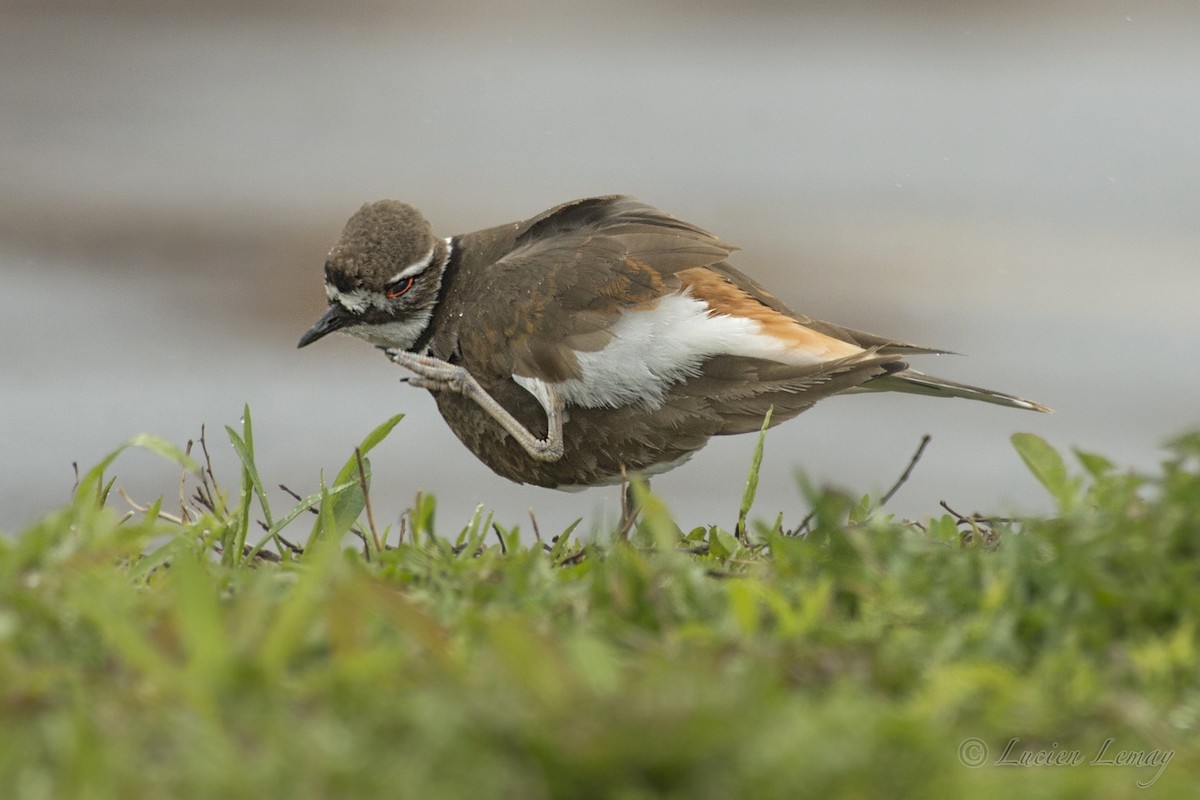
(399, 334)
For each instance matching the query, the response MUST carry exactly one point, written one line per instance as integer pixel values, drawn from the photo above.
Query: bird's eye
(399, 287)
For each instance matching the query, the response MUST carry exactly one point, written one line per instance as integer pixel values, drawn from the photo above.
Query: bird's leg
(442, 376)
(629, 504)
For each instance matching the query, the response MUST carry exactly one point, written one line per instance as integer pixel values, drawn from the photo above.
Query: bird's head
(382, 277)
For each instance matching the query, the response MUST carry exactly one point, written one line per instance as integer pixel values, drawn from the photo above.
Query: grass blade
(92, 482)
(752, 478)
(1048, 467)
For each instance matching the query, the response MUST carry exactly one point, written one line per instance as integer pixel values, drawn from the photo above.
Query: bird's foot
(441, 376)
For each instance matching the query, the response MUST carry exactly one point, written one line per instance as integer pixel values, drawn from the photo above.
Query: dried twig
(183, 473)
(204, 499)
(362, 481)
(957, 516)
(975, 517)
(208, 478)
(537, 534)
(802, 528)
(500, 537)
(248, 551)
(298, 499)
(295, 548)
(925, 440)
(981, 526)
(574, 558)
(366, 543)
(143, 509)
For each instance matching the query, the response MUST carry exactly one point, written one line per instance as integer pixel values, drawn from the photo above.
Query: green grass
(195, 654)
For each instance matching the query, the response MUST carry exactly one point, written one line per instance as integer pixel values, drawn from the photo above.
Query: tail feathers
(869, 341)
(914, 382)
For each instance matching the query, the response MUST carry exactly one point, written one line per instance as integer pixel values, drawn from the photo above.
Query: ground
(164, 653)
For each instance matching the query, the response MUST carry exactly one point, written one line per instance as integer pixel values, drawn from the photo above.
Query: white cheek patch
(653, 349)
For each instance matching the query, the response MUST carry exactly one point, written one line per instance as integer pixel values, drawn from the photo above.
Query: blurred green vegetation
(174, 655)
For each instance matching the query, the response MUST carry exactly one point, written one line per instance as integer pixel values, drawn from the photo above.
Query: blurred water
(1019, 185)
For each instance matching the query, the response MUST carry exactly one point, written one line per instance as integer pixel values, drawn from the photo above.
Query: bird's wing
(615, 302)
(569, 278)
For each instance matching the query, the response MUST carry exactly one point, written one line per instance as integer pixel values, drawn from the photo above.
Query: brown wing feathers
(667, 246)
(581, 265)
(577, 268)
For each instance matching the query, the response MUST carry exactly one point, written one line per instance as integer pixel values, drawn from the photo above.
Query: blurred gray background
(1019, 182)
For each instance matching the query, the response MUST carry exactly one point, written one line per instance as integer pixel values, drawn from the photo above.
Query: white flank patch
(653, 349)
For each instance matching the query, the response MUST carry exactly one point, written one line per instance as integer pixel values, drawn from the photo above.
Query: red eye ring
(398, 288)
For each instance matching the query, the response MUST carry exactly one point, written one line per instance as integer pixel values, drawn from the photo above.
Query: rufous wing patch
(639, 282)
(722, 297)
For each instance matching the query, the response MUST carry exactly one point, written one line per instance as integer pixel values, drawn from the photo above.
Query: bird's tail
(914, 382)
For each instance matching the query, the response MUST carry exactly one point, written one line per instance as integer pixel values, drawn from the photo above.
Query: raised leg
(442, 376)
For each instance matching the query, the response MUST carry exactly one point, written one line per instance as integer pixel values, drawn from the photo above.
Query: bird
(598, 339)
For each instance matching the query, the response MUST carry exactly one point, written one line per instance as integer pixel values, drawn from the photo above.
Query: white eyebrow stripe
(355, 300)
(415, 268)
